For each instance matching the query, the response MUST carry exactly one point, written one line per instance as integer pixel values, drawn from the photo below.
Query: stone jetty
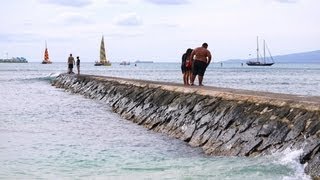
(224, 122)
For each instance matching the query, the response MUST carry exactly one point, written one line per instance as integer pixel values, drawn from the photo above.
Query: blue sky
(157, 30)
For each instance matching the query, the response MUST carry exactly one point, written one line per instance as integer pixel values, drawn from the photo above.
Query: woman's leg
(188, 78)
(185, 78)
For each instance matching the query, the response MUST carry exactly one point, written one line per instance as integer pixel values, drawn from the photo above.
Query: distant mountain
(304, 57)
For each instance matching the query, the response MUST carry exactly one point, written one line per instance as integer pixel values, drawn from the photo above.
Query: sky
(156, 30)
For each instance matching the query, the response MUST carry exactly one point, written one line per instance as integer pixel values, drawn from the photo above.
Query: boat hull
(43, 62)
(259, 64)
(102, 64)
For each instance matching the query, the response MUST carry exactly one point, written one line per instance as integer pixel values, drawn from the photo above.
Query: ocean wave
(32, 78)
(290, 158)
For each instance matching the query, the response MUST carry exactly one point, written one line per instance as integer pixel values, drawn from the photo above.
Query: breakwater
(222, 121)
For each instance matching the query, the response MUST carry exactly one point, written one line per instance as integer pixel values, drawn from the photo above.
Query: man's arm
(192, 54)
(209, 57)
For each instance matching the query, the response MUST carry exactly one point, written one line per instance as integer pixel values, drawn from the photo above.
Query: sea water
(47, 133)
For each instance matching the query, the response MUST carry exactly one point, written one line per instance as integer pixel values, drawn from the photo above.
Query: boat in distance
(103, 57)
(125, 63)
(46, 59)
(261, 60)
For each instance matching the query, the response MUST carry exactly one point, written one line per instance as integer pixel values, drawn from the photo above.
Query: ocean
(47, 133)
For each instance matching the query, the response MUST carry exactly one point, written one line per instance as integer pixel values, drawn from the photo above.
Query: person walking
(186, 65)
(78, 64)
(70, 64)
(202, 58)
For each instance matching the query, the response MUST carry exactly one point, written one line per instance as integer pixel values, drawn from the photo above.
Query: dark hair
(205, 45)
(189, 51)
(77, 57)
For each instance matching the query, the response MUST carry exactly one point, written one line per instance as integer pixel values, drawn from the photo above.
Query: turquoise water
(47, 133)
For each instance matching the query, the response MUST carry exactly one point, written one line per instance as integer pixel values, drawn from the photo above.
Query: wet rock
(313, 167)
(297, 128)
(251, 147)
(196, 139)
(276, 137)
(311, 147)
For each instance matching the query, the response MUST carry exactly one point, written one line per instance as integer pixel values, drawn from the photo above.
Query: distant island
(138, 61)
(303, 57)
(14, 60)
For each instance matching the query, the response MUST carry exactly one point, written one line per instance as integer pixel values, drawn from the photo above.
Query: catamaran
(46, 56)
(103, 57)
(261, 61)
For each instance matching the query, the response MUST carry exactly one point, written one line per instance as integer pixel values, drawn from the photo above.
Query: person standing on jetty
(78, 64)
(186, 65)
(70, 64)
(202, 58)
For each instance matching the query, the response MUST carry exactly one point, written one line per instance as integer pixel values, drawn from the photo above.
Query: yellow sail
(103, 56)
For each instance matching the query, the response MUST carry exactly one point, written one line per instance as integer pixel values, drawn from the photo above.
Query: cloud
(124, 34)
(70, 3)
(130, 19)
(287, 1)
(117, 1)
(74, 18)
(168, 2)
(18, 37)
(167, 24)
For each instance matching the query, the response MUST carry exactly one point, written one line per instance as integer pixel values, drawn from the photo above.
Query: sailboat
(103, 58)
(46, 56)
(261, 61)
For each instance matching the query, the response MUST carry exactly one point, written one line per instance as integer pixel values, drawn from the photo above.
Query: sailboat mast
(257, 49)
(264, 51)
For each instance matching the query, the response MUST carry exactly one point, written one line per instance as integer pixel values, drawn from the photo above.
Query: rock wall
(222, 121)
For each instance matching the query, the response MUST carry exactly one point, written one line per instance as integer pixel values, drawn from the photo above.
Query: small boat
(125, 63)
(103, 57)
(261, 61)
(46, 56)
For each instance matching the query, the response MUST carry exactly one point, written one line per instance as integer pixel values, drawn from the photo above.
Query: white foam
(54, 74)
(290, 158)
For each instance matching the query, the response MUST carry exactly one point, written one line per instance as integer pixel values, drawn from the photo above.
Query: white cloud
(117, 1)
(70, 3)
(168, 2)
(287, 1)
(130, 19)
(73, 18)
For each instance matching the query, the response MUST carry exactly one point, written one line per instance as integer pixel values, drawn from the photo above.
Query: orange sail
(46, 56)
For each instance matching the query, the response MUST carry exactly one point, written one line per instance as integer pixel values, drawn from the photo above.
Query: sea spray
(290, 158)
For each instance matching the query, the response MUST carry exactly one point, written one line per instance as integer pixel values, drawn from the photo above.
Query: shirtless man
(202, 58)
(70, 64)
